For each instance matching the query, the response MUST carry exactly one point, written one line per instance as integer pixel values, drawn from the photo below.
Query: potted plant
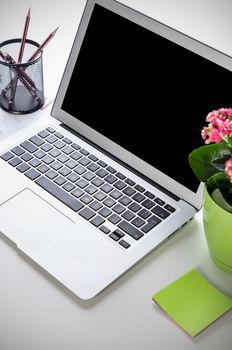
(212, 165)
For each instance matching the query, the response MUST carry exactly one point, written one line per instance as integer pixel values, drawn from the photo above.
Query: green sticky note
(192, 302)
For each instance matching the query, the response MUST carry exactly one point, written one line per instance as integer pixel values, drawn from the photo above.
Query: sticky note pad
(192, 302)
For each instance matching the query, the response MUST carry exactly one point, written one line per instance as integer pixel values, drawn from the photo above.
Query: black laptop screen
(145, 92)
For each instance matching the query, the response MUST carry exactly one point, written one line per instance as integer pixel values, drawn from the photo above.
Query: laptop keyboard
(110, 201)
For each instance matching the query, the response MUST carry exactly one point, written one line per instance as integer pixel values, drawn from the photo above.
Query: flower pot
(218, 232)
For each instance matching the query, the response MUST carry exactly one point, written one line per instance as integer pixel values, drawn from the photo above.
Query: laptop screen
(145, 92)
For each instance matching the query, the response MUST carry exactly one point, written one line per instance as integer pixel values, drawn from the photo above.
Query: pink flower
(204, 133)
(214, 135)
(228, 169)
(219, 127)
(226, 128)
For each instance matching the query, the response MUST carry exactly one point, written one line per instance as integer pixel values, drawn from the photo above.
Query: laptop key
(125, 200)
(18, 150)
(121, 176)
(46, 147)
(138, 222)
(91, 189)
(105, 229)
(129, 191)
(159, 201)
(68, 186)
(7, 156)
(119, 185)
(124, 244)
(97, 182)
(130, 230)
(36, 140)
(73, 177)
(35, 162)
(93, 167)
(51, 174)
(144, 213)
(118, 208)
(59, 144)
(169, 208)
(114, 218)
(67, 150)
(28, 146)
(128, 215)
(115, 194)
(110, 178)
(87, 213)
(139, 188)
(100, 195)
(86, 199)
(102, 173)
(162, 213)
(150, 225)
(149, 195)
(134, 207)
(40, 154)
(32, 174)
(77, 193)
(43, 168)
(43, 134)
(75, 146)
(93, 158)
(15, 161)
(111, 170)
(109, 202)
(105, 212)
(60, 180)
(138, 197)
(59, 193)
(95, 205)
(101, 163)
(48, 159)
(51, 139)
(26, 156)
(84, 161)
(130, 182)
(67, 140)
(23, 167)
(50, 129)
(88, 176)
(54, 152)
(97, 221)
(148, 203)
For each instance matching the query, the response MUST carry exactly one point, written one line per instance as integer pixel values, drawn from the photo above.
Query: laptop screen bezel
(194, 198)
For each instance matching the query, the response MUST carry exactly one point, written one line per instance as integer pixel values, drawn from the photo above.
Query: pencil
(40, 48)
(26, 26)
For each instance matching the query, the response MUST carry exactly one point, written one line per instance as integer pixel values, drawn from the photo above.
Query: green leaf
(220, 181)
(208, 160)
(220, 200)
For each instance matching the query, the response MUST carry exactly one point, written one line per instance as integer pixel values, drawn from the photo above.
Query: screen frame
(194, 198)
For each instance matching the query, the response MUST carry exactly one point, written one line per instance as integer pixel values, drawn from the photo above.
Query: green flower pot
(218, 232)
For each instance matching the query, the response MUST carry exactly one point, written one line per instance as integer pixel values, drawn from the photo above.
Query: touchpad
(29, 220)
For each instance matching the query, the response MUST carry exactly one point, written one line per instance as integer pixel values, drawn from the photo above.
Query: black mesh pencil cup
(21, 84)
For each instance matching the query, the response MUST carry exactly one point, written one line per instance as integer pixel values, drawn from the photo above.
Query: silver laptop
(91, 194)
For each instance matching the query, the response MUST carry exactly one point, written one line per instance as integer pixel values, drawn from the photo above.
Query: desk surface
(36, 312)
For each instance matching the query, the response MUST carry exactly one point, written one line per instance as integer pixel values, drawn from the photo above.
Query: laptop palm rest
(33, 222)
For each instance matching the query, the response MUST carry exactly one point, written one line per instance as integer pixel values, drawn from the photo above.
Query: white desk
(36, 312)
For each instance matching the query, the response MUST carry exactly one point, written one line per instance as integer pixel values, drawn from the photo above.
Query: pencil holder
(21, 84)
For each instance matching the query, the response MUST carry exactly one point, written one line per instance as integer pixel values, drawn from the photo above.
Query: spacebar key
(57, 192)
(130, 230)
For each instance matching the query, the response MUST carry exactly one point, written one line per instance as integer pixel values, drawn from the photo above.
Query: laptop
(107, 181)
